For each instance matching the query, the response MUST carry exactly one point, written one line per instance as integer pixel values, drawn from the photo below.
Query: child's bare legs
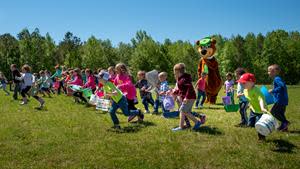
(190, 116)
(181, 121)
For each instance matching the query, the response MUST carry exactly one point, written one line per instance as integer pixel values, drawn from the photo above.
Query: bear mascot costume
(209, 65)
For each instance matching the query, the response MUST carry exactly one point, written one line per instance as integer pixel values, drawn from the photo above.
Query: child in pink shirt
(112, 73)
(90, 80)
(77, 81)
(124, 83)
(200, 85)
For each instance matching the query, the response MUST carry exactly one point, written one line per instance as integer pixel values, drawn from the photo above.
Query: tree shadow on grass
(210, 130)
(133, 128)
(294, 131)
(283, 146)
(44, 109)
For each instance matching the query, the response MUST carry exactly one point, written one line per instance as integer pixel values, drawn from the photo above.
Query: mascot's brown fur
(209, 64)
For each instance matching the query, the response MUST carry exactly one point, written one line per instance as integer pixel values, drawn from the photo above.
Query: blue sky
(118, 20)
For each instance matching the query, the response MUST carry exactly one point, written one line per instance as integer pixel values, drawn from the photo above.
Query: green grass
(68, 135)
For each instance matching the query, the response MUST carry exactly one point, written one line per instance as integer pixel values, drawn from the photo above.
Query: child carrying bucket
(162, 89)
(280, 95)
(118, 100)
(187, 95)
(78, 82)
(228, 86)
(124, 83)
(256, 100)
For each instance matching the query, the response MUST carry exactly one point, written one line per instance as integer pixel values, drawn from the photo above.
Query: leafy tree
(9, 53)
(68, 51)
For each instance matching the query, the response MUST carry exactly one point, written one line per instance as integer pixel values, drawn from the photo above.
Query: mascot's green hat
(205, 42)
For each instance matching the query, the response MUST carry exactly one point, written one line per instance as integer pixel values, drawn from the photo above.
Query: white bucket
(152, 78)
(266, 124)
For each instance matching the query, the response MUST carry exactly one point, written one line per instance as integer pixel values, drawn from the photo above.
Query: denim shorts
(187, 107)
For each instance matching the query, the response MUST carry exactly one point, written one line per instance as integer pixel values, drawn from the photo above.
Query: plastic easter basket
(87, 92)
(231, 108)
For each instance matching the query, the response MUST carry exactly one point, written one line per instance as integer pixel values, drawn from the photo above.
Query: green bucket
(231, 108)
(87, 92)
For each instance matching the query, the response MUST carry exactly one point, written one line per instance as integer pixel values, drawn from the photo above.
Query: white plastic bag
(93, 99)
(103, 104)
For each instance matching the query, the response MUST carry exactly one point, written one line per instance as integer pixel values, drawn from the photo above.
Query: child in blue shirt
(163, 87)
(3, 82)
(144, 87)
(280, 97)
(243, 102)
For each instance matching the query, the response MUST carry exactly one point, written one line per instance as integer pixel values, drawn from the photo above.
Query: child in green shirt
(118, 100)
(255, 98)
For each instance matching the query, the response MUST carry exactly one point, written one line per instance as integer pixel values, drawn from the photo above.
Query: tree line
(253, 52)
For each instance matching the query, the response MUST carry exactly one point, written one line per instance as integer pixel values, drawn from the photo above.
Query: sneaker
(116, 127)
(284, 126)
(196, 107)
(130, 118)
(201, 106)
(23, 103)
(141, 117)
(155, 112)
(177, 129)
(76, 100)
(197, 125)
(42, 104)
(261, 138)
(147, 111)
(202, 118)
(186, 126)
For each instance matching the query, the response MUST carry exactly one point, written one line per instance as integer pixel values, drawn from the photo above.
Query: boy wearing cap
(118, 100)
(280, 97)
(255, 98)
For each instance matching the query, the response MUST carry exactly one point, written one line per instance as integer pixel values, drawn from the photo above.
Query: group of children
(249, 94)
(116, 84)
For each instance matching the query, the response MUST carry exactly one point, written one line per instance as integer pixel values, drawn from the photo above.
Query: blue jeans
(123, 105)
(243, 112)
(253, 118)
(199, 94)
(158, 104)
(147, 99)
(278, 111)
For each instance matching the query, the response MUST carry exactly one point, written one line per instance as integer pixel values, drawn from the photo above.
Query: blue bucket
(269, 98)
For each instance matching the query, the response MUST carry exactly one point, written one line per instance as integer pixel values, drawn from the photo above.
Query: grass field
(69, 135)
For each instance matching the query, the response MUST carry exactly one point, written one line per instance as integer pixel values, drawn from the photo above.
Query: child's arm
(262, 105)
(54, 75)
(196, 85)
(20, 78)
(279, 86)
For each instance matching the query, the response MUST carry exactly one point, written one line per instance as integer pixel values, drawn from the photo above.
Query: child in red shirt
(200, 85)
